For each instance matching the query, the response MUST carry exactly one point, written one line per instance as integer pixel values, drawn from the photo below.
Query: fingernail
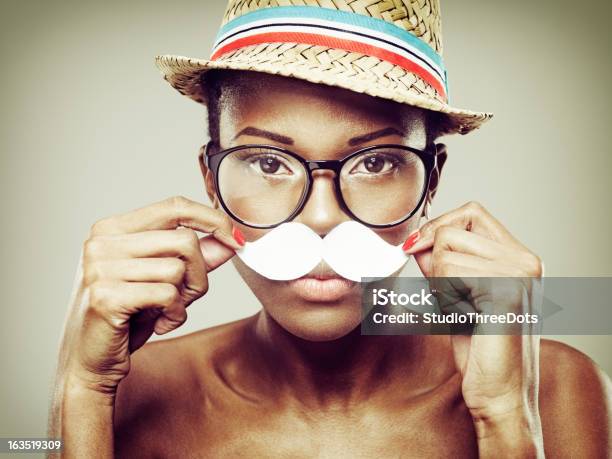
(412, 239)
(238, 236)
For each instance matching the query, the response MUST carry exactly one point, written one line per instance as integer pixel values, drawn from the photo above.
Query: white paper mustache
(351, 249)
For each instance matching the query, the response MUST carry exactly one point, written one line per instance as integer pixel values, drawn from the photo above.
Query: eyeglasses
(263, 186)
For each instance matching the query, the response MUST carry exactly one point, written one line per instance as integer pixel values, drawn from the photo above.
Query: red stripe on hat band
(338, 43)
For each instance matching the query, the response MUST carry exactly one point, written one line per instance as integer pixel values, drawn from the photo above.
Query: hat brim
(184, 74)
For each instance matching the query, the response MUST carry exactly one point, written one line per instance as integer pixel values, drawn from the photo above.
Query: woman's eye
(374, 164)
(271, 165)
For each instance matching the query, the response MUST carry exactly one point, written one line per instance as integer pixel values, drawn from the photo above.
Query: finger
(423, 260)
(446, 263)
(456, 239)
(165, 270)
(117, 302)
(215, 253)
(182, 243)
(438, 250)
(471, 264)
(450, 238)
(449, 269)
(170, 214)
(470, 217)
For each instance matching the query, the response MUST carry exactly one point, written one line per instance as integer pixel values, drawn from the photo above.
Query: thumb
(215, 253)
(423, 259)
(461, 351)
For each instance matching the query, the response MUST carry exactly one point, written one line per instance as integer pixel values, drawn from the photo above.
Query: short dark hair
(213, 83)
(213, 87)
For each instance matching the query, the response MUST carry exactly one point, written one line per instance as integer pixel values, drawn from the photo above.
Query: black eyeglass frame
(213, 159)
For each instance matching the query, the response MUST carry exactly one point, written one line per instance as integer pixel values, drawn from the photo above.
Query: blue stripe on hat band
(328, 14)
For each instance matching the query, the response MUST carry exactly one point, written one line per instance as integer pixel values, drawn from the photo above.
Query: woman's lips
(321, 288)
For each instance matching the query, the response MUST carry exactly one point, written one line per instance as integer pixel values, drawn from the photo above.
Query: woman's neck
(349, 369)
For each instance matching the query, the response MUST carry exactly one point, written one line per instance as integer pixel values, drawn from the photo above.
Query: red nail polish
(412, 239)
(238, 236)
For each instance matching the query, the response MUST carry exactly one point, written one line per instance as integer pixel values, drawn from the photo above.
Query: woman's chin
(318, 324)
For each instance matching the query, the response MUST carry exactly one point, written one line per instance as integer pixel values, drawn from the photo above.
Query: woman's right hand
(139, 272)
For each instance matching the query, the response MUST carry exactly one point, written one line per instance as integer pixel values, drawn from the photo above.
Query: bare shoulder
(575, 398)
(168, 385)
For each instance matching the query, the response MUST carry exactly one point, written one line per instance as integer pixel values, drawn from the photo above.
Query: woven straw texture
(334, 67)
(419, 17)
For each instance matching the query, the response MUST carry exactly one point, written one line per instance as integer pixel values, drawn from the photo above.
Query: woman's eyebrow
(375, 135)
(256, 132)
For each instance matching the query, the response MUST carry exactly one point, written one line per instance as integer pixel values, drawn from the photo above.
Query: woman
(298, 379)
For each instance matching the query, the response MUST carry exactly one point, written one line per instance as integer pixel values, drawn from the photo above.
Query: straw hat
(385, 48)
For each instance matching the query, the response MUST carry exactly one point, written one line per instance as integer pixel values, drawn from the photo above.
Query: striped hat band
(338, 30)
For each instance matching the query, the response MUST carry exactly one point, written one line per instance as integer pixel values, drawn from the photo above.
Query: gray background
(89, 129)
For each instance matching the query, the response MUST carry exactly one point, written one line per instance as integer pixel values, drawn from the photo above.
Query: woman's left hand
(500, 373)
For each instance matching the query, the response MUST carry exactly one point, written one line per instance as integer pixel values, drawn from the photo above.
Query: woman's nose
(322, 211)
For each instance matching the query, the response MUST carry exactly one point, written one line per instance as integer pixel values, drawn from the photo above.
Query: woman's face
(318, 123)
